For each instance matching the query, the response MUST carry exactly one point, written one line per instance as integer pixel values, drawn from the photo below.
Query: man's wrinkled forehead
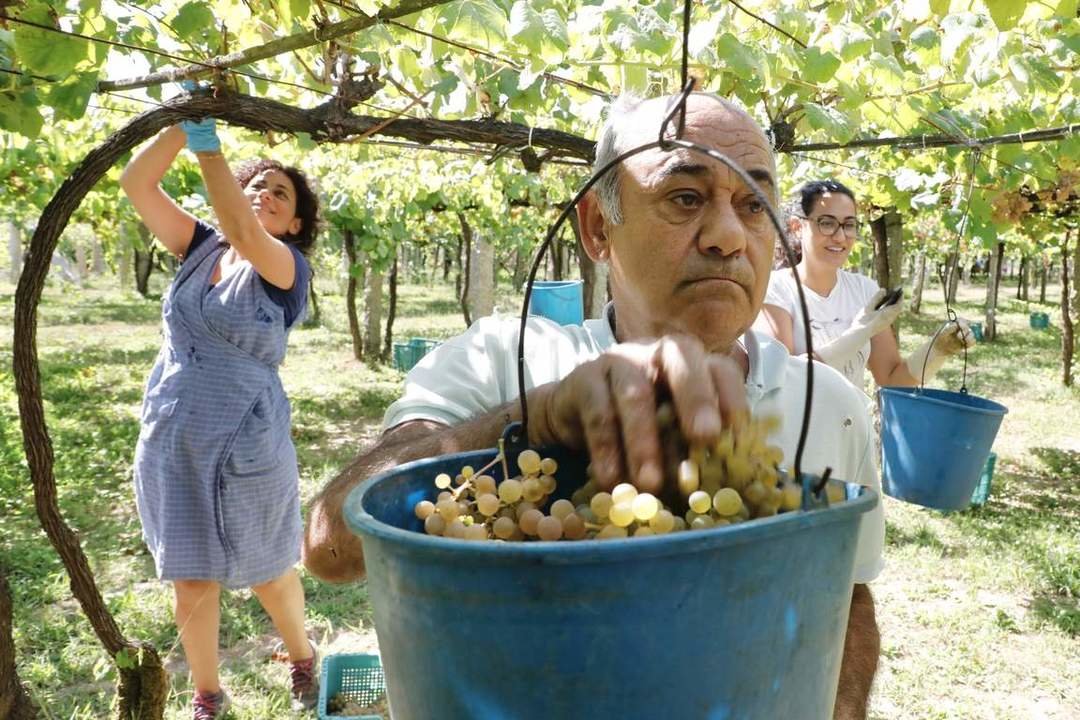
(716, 125)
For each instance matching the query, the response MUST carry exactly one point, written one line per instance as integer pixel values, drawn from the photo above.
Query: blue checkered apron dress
(216, 479)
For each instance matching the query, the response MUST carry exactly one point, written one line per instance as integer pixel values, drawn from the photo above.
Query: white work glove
(929, 358)
(867, 323)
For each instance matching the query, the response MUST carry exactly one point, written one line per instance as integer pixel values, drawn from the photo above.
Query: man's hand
(608, 406)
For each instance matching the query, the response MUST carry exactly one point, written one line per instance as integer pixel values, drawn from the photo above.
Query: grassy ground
(978, 610)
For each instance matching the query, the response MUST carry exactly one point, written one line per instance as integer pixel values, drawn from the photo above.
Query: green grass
(978, 609)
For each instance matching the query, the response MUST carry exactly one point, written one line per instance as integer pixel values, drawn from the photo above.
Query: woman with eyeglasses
(850, 316)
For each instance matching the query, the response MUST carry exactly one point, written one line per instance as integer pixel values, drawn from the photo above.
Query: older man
(689, 247)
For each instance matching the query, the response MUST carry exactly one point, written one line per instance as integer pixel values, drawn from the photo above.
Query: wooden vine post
(1068, 331)
(888, 233)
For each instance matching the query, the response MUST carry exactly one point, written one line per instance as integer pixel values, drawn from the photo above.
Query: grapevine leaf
(819, 67)
(44, 52)
(192, 19)
(19, 113)
(300, 9)
(1006, 13)
(555, 27)
(957, 32)
(526, 26)
(832, 121)
(737, 57)
(70, 97)
(480, 19)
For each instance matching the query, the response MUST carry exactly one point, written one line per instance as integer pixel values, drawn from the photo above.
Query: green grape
(442, 481)
(423, 509)
(585, 512)
(467, 472)
(665, 415)
(548, 483)
(623, 491)
(548, 466)
(755, 493)
(448, 509)
(529, 462)
(662, 522)
(611, 532)
(531, 489)
(702, 522)
(434, 525)
(740, 472)
(562, 508)
(456, 529)
(476, 532)
(549, 528)
(484, 484)
(510, 490)
(726, 502)
(444, 495)
(467, 520)
(487, 504)
(700, 502)
(678, 524)
(523, 507)
(645, 506)
(530, 521)
(644, 531)
(622, 513)
(792, 497)
(601, 505)
(724, 446)
(574, 526)
(835, 493)
(504, 528)
(689, 477)
(698, 454)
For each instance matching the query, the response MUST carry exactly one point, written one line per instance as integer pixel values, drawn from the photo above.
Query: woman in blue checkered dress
(216, 478)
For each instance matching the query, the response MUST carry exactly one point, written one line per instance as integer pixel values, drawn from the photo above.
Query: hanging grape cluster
(735, 480)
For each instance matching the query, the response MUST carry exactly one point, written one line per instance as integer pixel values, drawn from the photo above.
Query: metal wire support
(668, 145)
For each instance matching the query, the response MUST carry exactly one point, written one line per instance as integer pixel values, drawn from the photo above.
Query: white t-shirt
(830, 315)
(476, 372)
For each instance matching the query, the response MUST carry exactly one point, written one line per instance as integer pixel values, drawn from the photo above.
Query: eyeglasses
(829, 225)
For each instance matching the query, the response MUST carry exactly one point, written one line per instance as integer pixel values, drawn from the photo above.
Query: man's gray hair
(610, 145)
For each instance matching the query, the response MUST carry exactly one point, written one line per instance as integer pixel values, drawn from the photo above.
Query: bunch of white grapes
(735, 480)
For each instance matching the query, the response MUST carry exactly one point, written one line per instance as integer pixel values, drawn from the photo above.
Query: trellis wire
(668, 145)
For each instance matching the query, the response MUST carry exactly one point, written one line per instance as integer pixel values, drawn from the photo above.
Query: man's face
(694, 250)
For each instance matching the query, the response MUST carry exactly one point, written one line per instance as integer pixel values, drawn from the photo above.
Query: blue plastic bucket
(745, 621)
(986, 477)
(934, 444)
(558, 300)
(976, 330)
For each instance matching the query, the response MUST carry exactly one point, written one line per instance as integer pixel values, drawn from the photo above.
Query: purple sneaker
(210, 706)
(305, 681)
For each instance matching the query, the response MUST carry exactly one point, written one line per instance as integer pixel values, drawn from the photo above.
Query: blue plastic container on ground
(558, 300)
(358, 677)
(976, 330)
(1039, 320)
(741, 622)
(934, 444)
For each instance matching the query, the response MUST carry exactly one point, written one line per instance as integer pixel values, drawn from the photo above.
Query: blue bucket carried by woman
(558, 300)
(934, 444)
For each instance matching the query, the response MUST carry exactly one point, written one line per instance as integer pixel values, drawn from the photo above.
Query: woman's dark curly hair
(307, 202)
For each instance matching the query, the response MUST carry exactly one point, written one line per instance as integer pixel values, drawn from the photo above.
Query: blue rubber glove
(201, 134)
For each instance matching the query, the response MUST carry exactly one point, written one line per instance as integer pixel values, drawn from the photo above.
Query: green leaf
(126, 659)
(475, 19)
(924, 37)
(1006, 13)
(193, 19)
(44, 52)
(737, 57)
(835, 124)
(1067, 8)
(940, 7)
(555, 26)
(19, 113)
(526, 26)
(635, 78)
(70, 97)
(819, 67)
(853, 43)
(300, 9)
(957, 31)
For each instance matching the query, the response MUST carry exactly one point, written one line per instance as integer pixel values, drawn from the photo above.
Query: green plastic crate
(407, 354)
(356, 676)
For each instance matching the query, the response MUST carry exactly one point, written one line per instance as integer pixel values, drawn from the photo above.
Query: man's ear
(591, 224)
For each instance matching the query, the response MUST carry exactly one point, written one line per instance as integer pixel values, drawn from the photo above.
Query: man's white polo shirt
(476, 372)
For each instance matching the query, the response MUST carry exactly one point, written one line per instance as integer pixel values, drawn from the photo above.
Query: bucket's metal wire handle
(520, 434)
